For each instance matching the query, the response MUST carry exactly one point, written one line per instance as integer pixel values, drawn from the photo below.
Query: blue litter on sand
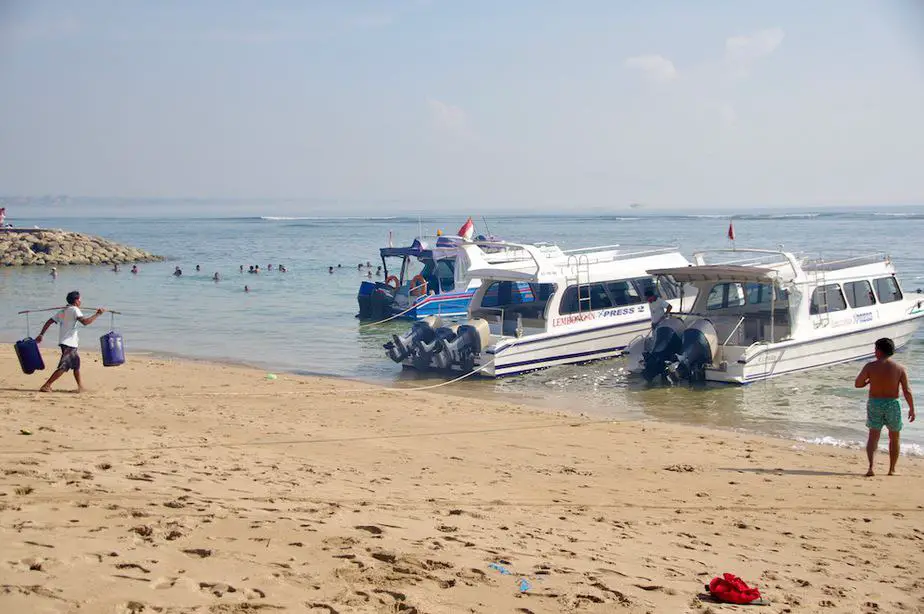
(524, 585)
(500, 568)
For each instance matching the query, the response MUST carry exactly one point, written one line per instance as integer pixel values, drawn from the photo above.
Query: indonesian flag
(467, 230)
(731, 231)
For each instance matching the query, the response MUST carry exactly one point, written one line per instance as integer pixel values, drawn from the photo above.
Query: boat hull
(377, 302)
(767, 361)
(449, 305)
(514, 356)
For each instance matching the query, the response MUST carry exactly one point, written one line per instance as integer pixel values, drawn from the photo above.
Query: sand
(176, 486)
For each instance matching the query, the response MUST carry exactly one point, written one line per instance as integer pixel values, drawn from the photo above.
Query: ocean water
(303, 320)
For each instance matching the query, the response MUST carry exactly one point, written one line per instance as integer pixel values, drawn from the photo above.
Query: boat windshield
(439, 276)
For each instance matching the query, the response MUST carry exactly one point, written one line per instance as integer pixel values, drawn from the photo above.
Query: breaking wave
(908, 449)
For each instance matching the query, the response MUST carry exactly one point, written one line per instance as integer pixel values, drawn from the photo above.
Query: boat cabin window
(665, 287)
(887, 290)
(762, 294)
(859, 294)
(528, 299)
(722, 296)
(827, 299)
(625, 293)
(603, 295)
(758, 293)
(444, 276)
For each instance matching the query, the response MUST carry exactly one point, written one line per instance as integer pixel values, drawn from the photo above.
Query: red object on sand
(732, 589)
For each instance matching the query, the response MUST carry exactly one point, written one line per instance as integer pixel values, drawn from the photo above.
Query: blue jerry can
(111, 346)
(30, 358)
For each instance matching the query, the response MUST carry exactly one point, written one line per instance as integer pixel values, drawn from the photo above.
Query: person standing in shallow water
(884, 377)
(68, 319)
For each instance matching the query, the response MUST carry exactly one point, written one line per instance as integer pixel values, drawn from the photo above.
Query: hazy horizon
(179, 208)
(350, 107)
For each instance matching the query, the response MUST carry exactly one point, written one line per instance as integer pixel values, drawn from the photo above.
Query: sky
(408, 105)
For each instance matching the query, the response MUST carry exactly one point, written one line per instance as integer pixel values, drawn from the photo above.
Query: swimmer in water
(216, 277)
(134, 269)
(246, 289)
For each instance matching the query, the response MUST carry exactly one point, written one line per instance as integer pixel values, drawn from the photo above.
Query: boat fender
(391, 278)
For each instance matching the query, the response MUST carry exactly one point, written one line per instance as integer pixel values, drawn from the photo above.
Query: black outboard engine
(424, 331)
(381, 302)
(423, 351)
(470, 340)
(666, 343)
(700, 345)
(364, 298)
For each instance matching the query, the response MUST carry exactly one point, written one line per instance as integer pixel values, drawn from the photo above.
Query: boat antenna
(485, 220)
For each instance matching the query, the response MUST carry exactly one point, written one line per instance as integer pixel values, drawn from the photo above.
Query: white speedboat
(769, 312)
(540, 306)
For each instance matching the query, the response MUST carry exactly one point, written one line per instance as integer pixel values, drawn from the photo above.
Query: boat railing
(843, 262)
(608, 253)
(753, 257)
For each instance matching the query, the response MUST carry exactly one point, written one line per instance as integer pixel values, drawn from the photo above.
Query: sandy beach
(175, 486)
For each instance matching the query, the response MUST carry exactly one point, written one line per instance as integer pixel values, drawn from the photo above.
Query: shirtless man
(884, 377)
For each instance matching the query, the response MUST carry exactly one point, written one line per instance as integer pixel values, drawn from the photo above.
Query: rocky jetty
(22, 247)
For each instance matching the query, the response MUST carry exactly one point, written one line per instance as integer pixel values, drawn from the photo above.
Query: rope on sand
(306, 394)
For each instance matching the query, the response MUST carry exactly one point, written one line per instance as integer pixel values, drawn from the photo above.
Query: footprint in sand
(163, 583)
(217, 588)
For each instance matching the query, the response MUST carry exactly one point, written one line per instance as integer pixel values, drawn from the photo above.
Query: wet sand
(176, 486)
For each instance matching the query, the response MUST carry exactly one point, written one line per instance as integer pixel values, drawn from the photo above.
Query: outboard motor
(381, 301)
(662, 348)
(700, 347)
(424, 352)
(401, 347)
(364, 298)
(471, 339)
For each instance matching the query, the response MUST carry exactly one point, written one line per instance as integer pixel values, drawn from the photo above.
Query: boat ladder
(579, 267)
(819, 286)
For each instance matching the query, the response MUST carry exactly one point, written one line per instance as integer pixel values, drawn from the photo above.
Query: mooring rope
(397, 315)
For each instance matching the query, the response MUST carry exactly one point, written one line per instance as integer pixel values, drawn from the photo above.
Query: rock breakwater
(21, 247)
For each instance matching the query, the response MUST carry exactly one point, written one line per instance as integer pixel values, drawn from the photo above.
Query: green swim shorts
(884, 412)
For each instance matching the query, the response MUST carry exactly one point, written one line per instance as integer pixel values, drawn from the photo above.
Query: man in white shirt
(67, 319)
(658, 306)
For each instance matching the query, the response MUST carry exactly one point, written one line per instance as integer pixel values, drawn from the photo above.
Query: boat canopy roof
(443, 248)
(722, 272)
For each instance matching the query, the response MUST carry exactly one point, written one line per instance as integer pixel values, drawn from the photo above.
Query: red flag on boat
(467, 230)
(731, 231)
